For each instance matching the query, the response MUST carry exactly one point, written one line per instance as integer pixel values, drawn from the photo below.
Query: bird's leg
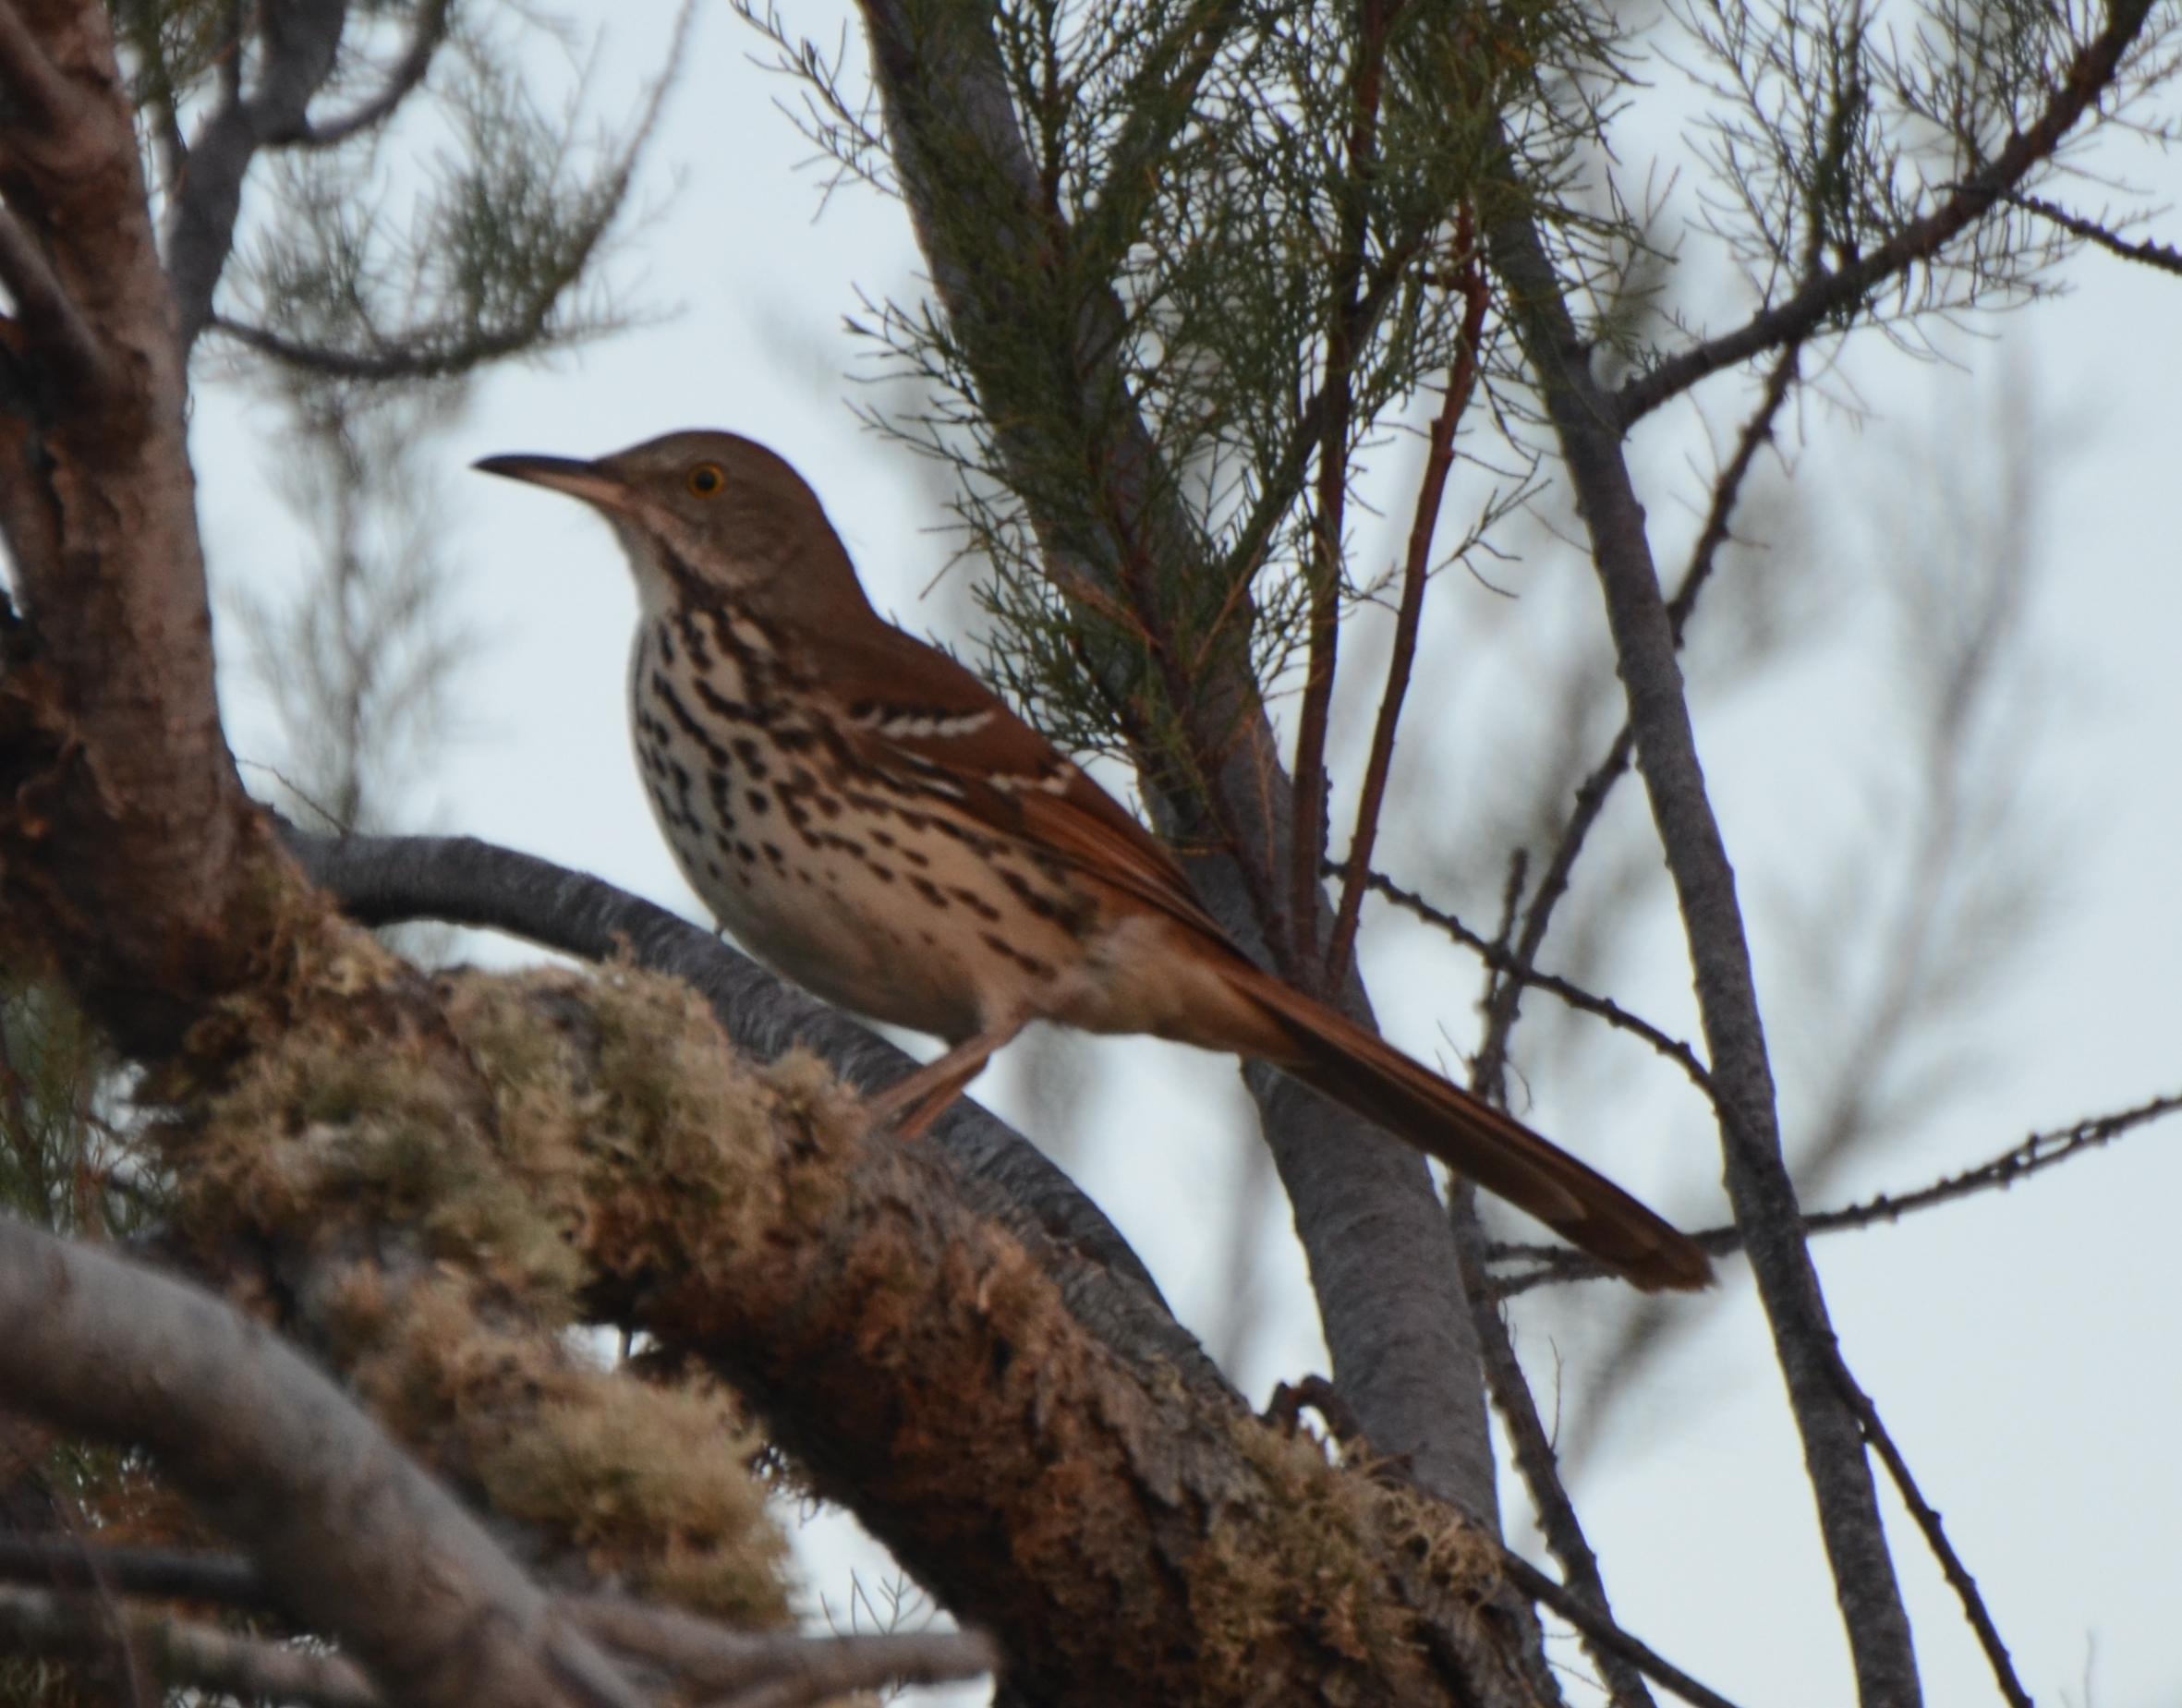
(911, 1104)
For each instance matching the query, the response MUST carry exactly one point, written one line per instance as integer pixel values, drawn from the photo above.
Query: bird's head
(710, 517)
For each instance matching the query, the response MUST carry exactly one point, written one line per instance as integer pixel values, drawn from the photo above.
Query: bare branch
(1540, 1468)
(1832, 294)
(707, 1658)
(178, 1653)
(2036, 1153)
(1590, 433)
(1592, 793)
(301, 44)
(282, 1460)
(1329, 526)
(397, 359)
(425, 36)
(1607, 1635)
(1935, 1537)
(2164, 256)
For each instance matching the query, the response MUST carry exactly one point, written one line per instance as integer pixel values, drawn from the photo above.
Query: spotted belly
(877, 898)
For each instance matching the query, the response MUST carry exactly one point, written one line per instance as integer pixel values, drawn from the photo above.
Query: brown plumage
(865, 814)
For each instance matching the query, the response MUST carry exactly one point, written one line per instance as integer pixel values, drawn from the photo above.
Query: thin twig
(1505, 961)
(393, 361)
(1409, 616)
(1540, 1466)
(708, 1656)
(1645, 1659)
(2036, 1153)
(2164, 256)
(1935, 1537)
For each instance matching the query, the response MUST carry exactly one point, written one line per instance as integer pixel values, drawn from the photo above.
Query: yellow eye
(706, 480)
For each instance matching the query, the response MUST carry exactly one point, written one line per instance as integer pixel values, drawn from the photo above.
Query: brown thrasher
(866, 816)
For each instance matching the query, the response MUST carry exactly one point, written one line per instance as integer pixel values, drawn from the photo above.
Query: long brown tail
(1341, 1061)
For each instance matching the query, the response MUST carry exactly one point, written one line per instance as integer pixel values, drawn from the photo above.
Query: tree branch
(781, 1668)
(458, 880)
(922, 1368)
(1502, 959)
(1540, 1469)
(1504, 1000)
(425, 35)
(301, 45)
(2036, 1153)
(1833, 294)
(702, 1655)
(39, 98)
(1588, 428)
(178, 1653)
(283, 1460)
(123, 828)
(1935, 1537)
(1309, 828)
(423, 360)
(1607, 1635)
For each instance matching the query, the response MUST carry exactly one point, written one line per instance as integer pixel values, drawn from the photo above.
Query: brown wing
(913, 711)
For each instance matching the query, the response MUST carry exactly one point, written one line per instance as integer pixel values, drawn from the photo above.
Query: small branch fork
(1504, 994)
(1508, 961)
(1935, 1537)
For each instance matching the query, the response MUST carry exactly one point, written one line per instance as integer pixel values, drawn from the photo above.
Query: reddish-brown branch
(1343, 332)
(1415, 570)
(124, 832)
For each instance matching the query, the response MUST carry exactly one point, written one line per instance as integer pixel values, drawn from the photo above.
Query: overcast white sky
(2018, 1345)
